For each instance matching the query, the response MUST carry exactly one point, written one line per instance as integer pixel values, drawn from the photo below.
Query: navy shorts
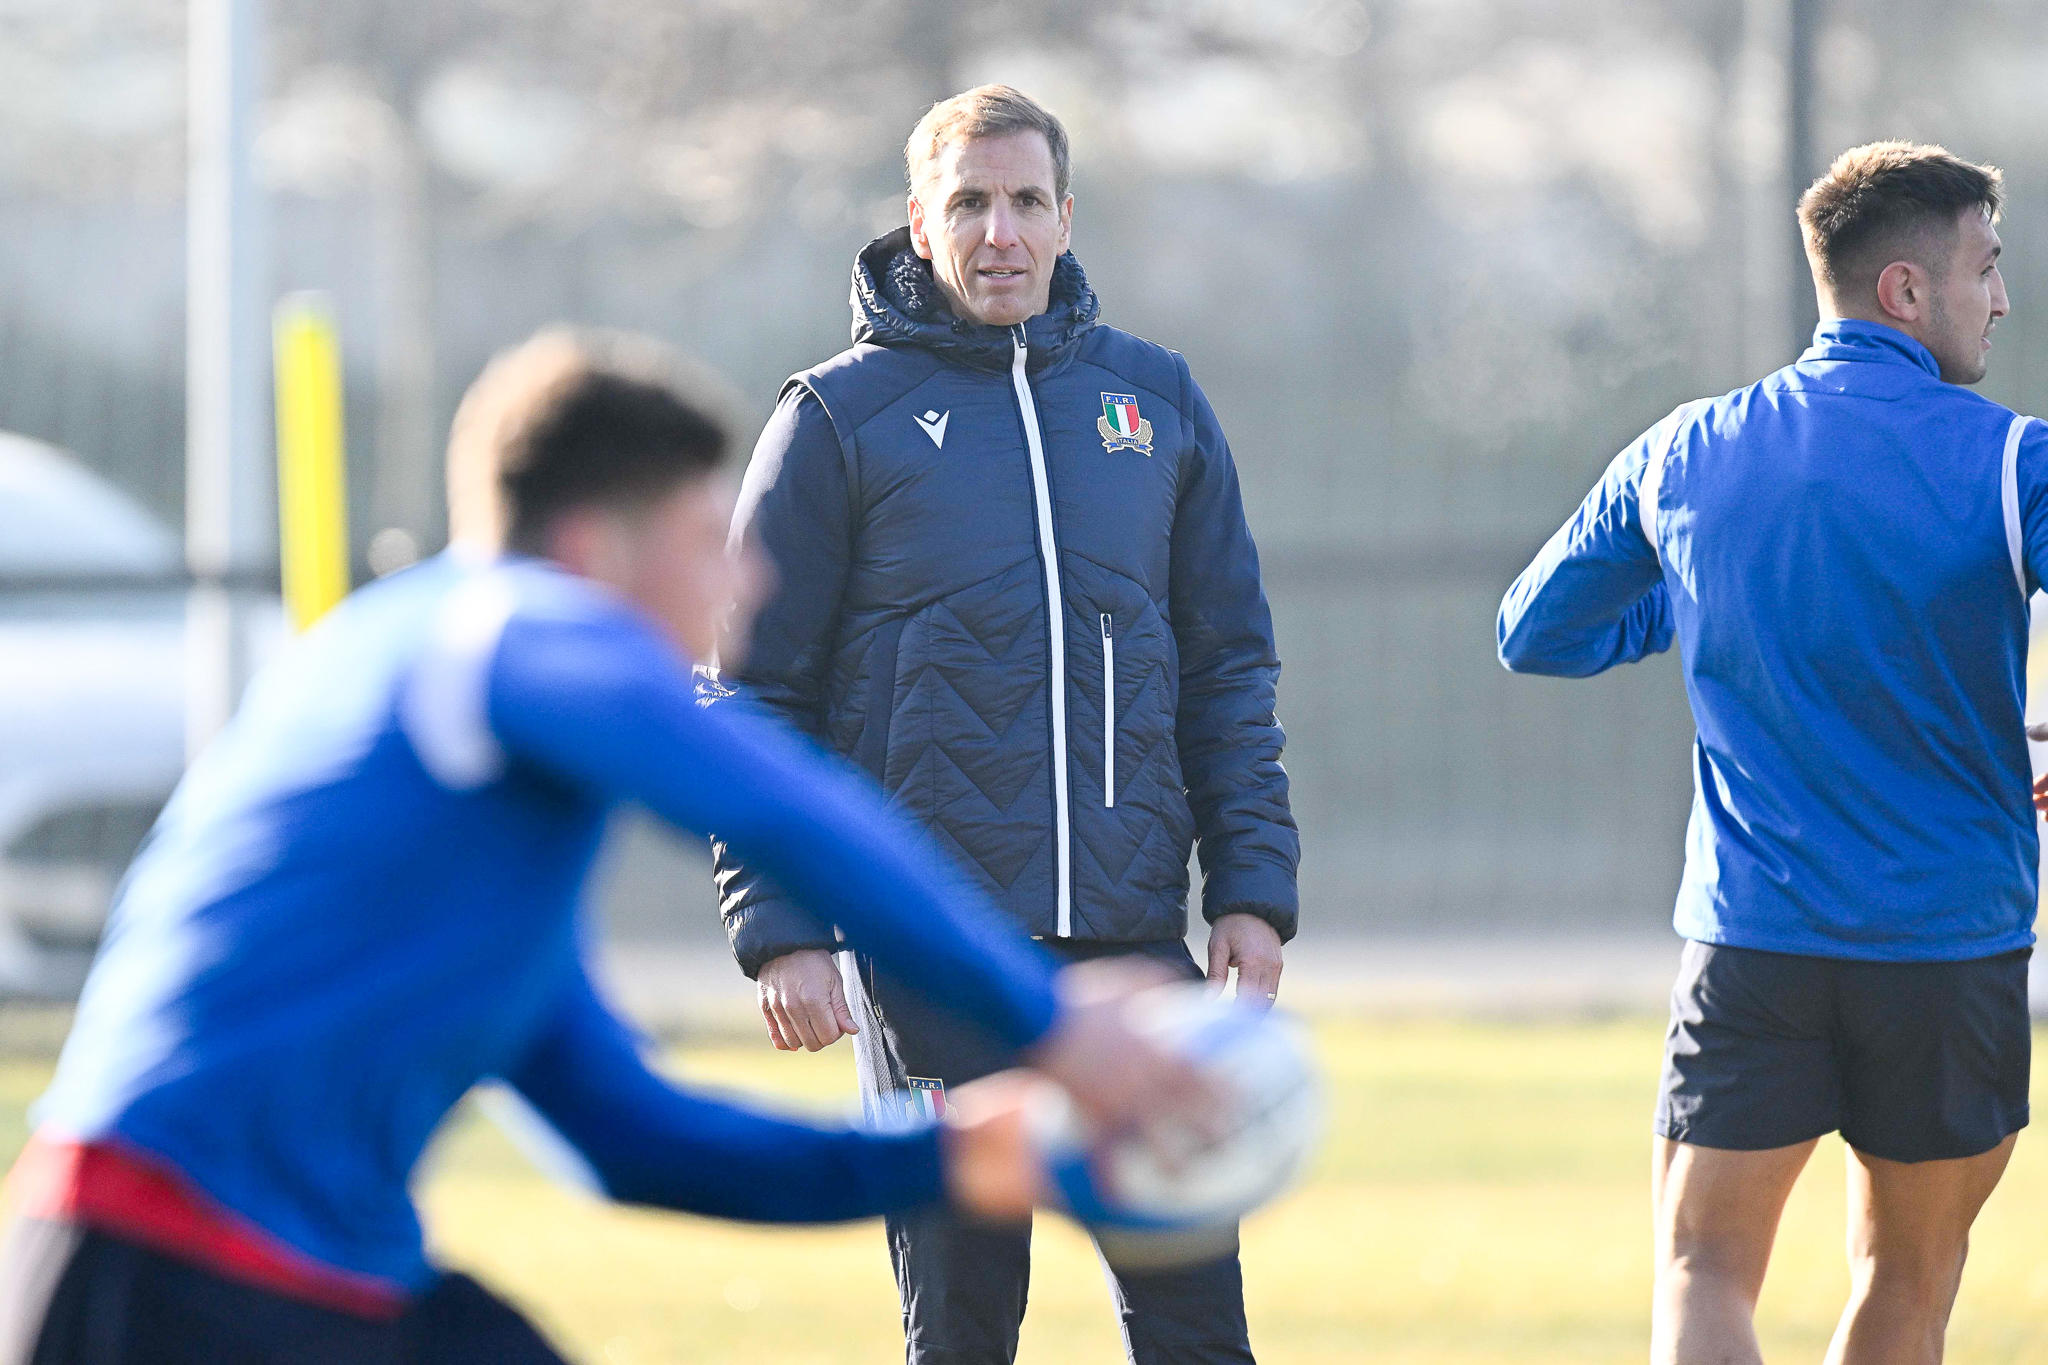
(1909, 1061)
(71, 1295)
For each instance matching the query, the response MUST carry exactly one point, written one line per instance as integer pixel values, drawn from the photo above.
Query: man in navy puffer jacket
(1018, 589)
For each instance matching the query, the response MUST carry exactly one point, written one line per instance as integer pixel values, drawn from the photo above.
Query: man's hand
(1121, 1080)
(803, 1001)
(1252, 946)
(994, 1169)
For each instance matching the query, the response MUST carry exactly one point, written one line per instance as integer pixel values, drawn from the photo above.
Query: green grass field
(1482, 1199)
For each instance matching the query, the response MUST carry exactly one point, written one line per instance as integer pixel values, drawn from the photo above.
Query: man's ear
(920, 241)
(589, 542)
(1903, 290)
(1067, 223)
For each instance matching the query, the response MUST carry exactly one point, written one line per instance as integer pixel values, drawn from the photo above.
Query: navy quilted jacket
(924, 495)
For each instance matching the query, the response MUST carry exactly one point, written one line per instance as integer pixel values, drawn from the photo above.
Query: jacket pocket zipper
(1108, 712)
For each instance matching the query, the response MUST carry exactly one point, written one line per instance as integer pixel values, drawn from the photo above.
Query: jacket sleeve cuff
(1266, 892)
(766, 930)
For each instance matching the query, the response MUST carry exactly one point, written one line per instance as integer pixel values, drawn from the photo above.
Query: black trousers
(75, 1296)
(963, 1285)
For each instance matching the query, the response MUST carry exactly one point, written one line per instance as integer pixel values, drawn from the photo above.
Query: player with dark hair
(1843, 552)
(362, 901)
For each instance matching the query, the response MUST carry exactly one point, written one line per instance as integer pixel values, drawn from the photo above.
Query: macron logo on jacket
(1066, 758)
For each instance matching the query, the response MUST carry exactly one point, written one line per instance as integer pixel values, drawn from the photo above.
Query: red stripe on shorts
(139, 1198)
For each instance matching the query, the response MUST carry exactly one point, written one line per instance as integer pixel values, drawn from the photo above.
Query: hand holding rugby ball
(1172, 1189)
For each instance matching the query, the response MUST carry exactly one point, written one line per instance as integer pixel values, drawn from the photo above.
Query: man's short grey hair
(985, 111)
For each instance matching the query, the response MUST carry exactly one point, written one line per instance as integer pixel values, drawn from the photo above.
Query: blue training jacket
(1844, 552)
(925, 495)
(363, 900)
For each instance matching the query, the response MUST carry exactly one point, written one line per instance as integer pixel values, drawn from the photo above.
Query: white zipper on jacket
(1056, 631)
(1108, 712)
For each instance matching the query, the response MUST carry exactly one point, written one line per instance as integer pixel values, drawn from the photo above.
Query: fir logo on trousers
(1121, 426)
(927, 1098)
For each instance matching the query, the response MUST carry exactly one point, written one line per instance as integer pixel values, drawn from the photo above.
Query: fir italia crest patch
(1121, 426)
(927, 1098)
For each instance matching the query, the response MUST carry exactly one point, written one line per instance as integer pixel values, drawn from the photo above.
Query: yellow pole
(312, 488)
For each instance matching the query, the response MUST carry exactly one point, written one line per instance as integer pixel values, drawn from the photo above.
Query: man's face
(1968, 300)
(986, 217)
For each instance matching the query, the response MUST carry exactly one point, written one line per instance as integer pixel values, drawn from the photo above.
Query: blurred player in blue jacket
(363, 900)
(1844, 552)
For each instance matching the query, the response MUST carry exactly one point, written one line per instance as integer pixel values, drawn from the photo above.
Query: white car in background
(92, 702)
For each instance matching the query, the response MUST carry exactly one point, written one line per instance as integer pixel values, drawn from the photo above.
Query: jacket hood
(896, 302)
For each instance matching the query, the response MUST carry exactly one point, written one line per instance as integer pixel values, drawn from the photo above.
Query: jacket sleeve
(2031, 476)
(793, 509)
(604, 707)
(1594, 597)
(1226, 729)
(608, 1121)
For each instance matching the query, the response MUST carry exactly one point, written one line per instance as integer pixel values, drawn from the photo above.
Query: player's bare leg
(1716, 1216)
(1909, 1230)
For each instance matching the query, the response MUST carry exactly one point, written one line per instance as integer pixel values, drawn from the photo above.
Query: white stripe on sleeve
(2009, 498)
(445, 706)
(1650, 481)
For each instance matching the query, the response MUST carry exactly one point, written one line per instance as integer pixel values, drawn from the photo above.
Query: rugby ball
(1171, 1190)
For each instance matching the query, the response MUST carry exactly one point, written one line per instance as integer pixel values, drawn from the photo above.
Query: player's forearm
(836, 847)
(611, 712)
(1567, 625)
(728, 1162)
(828, 838)
(640, 1140)
(1594, 596)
